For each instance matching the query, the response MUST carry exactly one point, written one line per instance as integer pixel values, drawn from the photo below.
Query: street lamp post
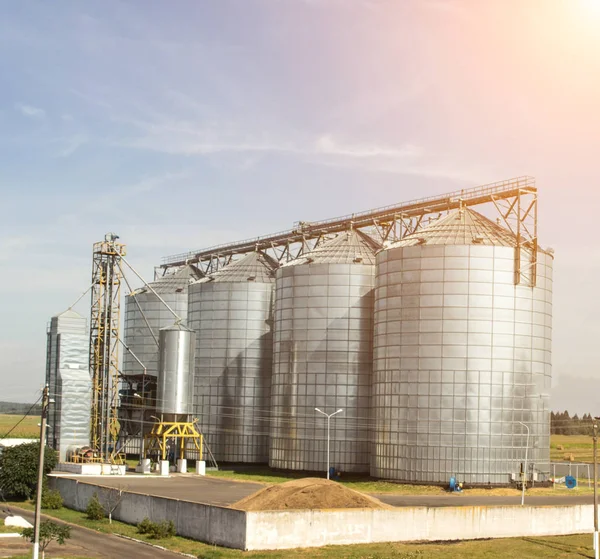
(525, 467)
(328, 416)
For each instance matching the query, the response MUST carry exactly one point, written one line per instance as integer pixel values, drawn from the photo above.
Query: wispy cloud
(327, 145)
(30, 111)
(71, 145)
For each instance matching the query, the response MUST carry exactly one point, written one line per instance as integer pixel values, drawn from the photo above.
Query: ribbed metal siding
(234, 351)
(136, 334)
(322, 358)
(176, 371)
(461, 355)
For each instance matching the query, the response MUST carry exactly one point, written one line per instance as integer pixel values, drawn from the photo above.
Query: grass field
(28, 429)
(579, 446)
(367, 485)
(549, 547)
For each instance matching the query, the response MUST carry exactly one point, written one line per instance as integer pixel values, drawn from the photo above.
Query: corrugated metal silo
(177, 348)
(69, 383)
(141, 303)
(461, 355)
(231, 314)
(323, 356)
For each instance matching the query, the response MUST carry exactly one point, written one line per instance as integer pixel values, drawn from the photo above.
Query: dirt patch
(308, 493)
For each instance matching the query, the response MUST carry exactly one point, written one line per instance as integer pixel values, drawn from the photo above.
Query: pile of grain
(308, 493)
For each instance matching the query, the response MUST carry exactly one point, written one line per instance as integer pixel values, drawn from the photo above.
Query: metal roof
(460, 227)
(348, 247)
(255, 266)
(178, 281)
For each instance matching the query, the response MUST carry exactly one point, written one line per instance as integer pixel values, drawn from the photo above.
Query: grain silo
(231, 314)
(323, 356)
(69, 383)
(462, 355)
(145, 315)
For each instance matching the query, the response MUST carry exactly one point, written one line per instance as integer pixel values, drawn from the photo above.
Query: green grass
(28, 429)
(580, 446)
(550, 547)
(9, 529)
(364, 484)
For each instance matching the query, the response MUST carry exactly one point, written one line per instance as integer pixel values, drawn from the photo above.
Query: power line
(22, 419)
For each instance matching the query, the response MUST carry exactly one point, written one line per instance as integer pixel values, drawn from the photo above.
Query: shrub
(51, 499)
(18, 470)
(156, 530)
(94, 510)
(49, 532)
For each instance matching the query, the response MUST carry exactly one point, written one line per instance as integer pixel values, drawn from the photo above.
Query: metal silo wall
(461, 355)
(136, 333)
(234, 352)
(176, 374)
(322, 358)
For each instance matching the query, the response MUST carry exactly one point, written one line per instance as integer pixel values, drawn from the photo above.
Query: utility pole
(595, 439)
(40, 481)
(328, 416)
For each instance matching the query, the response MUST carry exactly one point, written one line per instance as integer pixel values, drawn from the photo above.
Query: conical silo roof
(460, 227)
(255, 266)
(176, 282)
(349, 247)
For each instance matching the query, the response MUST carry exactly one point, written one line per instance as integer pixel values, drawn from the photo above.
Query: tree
(49, 532)
(94, 510)
(18, 469)
(112, 499)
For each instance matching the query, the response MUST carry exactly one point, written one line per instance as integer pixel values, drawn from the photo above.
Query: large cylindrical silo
(145, 315)
(323, 356)
(177, 348)
(231, 314)
(462, 355)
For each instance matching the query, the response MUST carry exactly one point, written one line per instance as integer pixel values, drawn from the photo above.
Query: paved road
(187, 487)
(462, 500)
(88, 543)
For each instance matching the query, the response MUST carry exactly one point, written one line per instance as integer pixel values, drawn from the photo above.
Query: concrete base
(182, 466)
(91, 469)
(164, 467)
(262, 530)
(201, 467)
(144, 467)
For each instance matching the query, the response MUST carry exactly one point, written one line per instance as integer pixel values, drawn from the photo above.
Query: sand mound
(308, 493)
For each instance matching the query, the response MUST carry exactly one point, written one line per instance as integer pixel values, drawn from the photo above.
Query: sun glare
(592, 6)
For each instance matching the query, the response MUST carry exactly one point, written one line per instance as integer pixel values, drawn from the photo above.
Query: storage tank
(145, 315)
(322, 356)
(462, 355)
(177, 347)
(69, 383)
(231, 314)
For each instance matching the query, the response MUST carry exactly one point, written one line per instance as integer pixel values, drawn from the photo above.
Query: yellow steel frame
(156, 440)
(104, 347)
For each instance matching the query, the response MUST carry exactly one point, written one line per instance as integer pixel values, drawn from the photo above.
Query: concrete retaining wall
(291, 529)
(285, 530)
(206, 523)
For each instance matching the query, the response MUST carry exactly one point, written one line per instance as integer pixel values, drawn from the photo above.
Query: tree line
(561, 423)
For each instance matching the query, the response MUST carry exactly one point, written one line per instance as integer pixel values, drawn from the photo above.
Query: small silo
(177, 347)
(462, 355)
(145, 315)
(322, 356)
(231, 314)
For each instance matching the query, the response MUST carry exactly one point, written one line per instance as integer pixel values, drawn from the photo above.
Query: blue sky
(181, 125)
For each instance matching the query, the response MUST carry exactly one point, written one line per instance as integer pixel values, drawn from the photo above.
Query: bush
(94, 510)
(51, 499)
(156, 530)
(49, 532)
(18, 470)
